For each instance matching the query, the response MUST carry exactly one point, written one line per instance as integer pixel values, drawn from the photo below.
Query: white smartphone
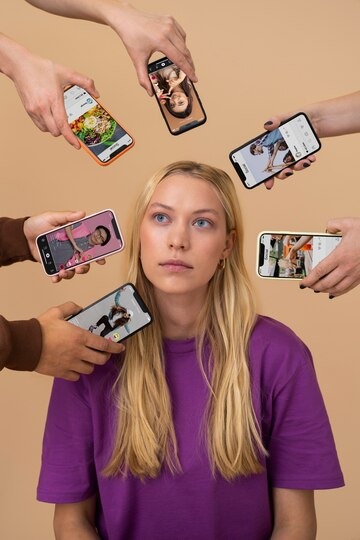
(80, 242)
(116, 316)
(292, 255)
(269, 153)
(97, 130)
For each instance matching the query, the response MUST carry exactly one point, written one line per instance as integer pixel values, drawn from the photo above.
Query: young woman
(174, 91)
(211, 425)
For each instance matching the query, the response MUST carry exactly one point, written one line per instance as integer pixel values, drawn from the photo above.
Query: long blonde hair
(145, 439)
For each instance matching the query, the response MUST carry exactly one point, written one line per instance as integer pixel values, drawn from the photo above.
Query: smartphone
(116, 316)
(177, 98)
(80, 242)
(97, 130)
(292, 255)
(269, 153)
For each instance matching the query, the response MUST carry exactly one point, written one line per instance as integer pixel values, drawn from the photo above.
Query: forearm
(338, 116)
(293, 533)
(12, 54)
(14, 246)
(76, 531)
(99, 11)
(20, 344)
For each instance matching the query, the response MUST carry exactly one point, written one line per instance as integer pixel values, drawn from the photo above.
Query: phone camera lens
(163, 64)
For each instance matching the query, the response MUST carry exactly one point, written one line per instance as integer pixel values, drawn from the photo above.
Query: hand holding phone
(80, 242)
(290, 255)
(116, 316)
(267, 154)
(97, 130)
(176, 96)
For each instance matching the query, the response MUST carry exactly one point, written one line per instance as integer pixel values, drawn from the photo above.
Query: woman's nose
(178, 238)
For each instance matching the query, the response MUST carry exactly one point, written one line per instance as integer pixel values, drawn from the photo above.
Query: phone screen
(292, 255)
(81, 242)
(177, 98)
(103, 137)
(116, 316)
(267, 154)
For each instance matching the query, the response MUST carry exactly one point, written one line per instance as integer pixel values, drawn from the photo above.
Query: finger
(65, 274)
(335, 225)
(103, 345)
(38, 122)
(60, 118)
(71, 376)
(324, 268)
(85, 82)
(49, 123)
(82, 269)
(285, 173)
(101, 261)
(67, 309)
(273, 123)
(142, 74)
(269, 183)
(63, 218)
(343, 287)
(181, 59)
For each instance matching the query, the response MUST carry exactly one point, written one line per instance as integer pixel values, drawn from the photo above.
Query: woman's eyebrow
(200, 211)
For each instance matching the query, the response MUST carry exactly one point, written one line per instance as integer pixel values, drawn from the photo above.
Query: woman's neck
(179, 314)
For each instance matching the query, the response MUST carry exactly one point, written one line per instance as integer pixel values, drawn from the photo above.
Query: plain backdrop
(253, 59)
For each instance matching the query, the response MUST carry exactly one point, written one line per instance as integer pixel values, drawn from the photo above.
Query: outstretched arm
(330, 118)
(142, 33)
(40, 84)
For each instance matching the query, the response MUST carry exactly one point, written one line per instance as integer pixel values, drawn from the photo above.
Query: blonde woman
(211, 425)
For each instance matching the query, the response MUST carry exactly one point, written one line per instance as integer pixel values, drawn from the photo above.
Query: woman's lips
(176, 265)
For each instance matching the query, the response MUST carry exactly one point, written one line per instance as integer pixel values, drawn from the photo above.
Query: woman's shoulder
(274, 346)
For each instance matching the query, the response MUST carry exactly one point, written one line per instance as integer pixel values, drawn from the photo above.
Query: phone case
(114, 245)
(180, 125)
(242, 152)
(92, 154)
(291, 255)
(116, 316)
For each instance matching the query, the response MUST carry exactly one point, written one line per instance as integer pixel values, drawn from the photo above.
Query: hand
(42, 223)
(145, 33)
(40, 84)
(339, 272)
(67, 350)
(272, 124)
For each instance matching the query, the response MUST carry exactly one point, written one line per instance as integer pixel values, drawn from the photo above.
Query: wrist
(114, 14)
(12, 56)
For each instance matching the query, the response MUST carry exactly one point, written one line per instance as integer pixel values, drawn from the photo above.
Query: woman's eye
(202, 223)
(161, 218)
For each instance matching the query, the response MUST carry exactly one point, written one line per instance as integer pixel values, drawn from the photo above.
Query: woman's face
(98, 236)
(183, 235)
(178, 101)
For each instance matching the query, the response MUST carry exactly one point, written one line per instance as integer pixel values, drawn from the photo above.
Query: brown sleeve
(20, 344)
(13, 243)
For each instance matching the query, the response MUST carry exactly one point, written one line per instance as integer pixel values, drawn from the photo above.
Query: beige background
(253, 59)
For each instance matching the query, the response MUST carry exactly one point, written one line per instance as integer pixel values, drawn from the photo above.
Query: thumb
(63, 218)
(334, 226)
(67, 309)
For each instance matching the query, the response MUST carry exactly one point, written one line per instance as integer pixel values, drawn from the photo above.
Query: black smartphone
(80, 242)
(116, 316)
(292, 255)
(177, 98)
(272, 151)
(97, 130)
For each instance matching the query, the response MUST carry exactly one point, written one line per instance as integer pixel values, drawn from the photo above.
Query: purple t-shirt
(193, 505)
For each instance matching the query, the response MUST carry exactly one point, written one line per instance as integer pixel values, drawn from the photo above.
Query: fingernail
(317, 291)
(289, 174)
(331, 296)
(302, 286)
(306, 165)
(268, 123)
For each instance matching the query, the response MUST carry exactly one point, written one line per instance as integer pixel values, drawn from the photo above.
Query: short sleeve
(302, 452)
(67, 471)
